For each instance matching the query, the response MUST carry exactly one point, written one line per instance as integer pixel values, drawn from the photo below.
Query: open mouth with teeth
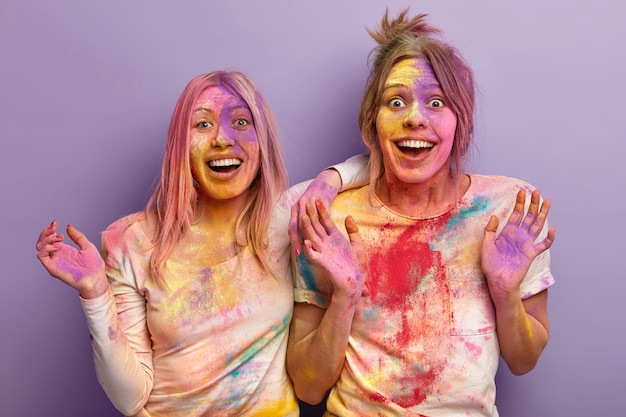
(224, 165)
(414, 147)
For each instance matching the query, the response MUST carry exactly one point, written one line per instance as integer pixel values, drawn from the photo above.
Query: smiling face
(224, 146)
(414, 124)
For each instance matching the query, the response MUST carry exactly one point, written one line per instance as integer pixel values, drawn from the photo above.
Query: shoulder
(134, 230)
(354, 196)
(500, 181)
(498, 186)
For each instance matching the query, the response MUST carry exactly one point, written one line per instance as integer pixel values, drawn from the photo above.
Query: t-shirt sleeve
(305, 287)
(117, 323)
(354, 172)
(539, 276)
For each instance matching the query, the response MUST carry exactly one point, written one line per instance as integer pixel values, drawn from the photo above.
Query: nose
(414, 117)
(222, 139)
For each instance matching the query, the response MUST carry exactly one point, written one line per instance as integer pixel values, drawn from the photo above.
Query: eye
(436, 103)
(203, 124)
(396, 102)
(241, 122)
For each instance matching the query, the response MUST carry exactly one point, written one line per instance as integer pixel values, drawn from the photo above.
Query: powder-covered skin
(423, 337)
(215, 339)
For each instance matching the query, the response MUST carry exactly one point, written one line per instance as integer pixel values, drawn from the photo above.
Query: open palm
(505, 258)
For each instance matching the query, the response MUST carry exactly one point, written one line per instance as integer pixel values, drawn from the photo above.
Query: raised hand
(325, 188)
(338, 264)
(82, 269)
(505, 258)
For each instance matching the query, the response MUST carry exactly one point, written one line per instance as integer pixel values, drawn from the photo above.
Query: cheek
(446, 123)
(251, 144)
(197, 145)
(384, 125)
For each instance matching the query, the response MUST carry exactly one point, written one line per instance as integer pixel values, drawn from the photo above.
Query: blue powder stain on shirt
(251, 352)
(479, 204)
(304, 266)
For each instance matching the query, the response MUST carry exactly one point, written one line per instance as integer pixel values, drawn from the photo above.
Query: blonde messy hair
(403, 38)
(175, 198)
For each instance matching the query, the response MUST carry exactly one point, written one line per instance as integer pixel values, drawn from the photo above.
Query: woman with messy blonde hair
(408, 310)
(189, 312)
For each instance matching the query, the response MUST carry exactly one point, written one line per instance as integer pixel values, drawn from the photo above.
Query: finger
(47, 250)
(326, 220)
(308, 232)
(490, 228)
(547, 242)
(357, 246)
(45, 233)
(294, 229)
(353, 230)
(310, 252)
(49, 241)
(78, 238)
(533, 209)
(541, 218)
(319, 229)
(518, 210)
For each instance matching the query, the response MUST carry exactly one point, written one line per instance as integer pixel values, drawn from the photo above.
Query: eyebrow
(204, 109)
(396, 84)
(430, 86)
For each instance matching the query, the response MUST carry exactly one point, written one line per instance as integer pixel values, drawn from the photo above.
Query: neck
(424, 199)
(219, 214)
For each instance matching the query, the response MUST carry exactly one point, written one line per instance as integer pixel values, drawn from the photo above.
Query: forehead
(411, 72)
(217, 98)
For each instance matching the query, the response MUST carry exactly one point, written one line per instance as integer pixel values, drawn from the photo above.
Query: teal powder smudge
(371, 314)
(251, 352)
(304, 266)
(479, 204)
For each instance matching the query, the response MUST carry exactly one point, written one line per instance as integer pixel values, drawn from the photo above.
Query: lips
(224, 165)
(414, 147)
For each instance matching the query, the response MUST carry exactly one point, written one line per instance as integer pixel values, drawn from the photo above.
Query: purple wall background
(87, 89)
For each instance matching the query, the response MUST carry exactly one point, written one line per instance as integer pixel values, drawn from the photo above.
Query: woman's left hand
(339, 264)
(324, 187)
(505, 258)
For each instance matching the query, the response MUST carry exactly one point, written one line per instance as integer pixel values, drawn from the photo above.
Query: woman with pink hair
(189, 311)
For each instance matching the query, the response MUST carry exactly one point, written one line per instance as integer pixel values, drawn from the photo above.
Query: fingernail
(297, 251)
(51, 225)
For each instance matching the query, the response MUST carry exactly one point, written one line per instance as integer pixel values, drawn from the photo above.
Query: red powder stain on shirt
(407, 278)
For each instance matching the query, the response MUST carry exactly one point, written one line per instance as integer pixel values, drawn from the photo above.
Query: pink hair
(174, 200)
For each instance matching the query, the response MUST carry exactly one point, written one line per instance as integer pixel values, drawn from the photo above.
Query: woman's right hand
(81, 269)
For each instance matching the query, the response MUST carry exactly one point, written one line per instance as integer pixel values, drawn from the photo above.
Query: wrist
(506, 300)
(347, 298)
(331, 177)
(95, 290)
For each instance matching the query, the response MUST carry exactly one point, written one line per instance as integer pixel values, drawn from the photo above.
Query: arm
(522, 325)
(319, 338)
(120, 339)
(351, 173)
